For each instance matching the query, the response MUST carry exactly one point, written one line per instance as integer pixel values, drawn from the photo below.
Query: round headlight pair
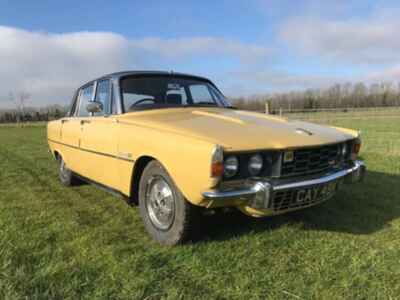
(231, 165)
(255, 164)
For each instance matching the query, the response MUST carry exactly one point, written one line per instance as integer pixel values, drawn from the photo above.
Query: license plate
(317, 193)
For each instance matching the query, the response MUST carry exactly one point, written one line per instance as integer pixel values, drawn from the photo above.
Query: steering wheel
(141, 101)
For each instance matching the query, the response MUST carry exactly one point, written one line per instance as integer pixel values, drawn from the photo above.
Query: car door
(99, 140)
(71, 131)
(70, 135)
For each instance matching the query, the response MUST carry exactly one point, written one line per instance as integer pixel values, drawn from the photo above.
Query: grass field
(82, 243)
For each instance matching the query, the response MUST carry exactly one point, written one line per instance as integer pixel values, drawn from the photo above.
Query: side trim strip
(91, 151)
(101, 186)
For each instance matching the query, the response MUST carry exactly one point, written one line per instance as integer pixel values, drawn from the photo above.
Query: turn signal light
(217, 162)
(217, 169)
(356, 148)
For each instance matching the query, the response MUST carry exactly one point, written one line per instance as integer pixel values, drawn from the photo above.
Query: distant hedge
(13, 116)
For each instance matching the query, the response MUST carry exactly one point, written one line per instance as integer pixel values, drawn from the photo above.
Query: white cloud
(369, 40)
(388, 74)
(286, 80)
(50, 66)
(176, 48)
(261, 81)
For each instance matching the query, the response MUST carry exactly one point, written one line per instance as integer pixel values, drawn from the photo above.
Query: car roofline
(119, 75)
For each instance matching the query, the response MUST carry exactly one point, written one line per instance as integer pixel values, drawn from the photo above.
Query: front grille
(284, 200)
(310, 161)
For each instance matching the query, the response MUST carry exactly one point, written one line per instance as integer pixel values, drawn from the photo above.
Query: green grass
(71, 243)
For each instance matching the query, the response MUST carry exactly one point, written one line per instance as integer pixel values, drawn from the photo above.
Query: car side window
(85, 97)
(201, 94)
(103, 96)
(73, 107)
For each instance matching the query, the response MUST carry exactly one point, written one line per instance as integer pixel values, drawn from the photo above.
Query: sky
(49, 48)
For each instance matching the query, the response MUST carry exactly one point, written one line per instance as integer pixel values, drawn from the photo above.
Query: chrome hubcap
(63, 169)
(160, 203)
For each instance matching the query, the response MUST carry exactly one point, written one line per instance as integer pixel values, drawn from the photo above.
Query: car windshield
(149, 92)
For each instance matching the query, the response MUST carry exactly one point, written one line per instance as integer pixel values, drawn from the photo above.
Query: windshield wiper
(201, 104)
(209, 104)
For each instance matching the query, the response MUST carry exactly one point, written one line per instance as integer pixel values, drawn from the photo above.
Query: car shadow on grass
(362, 208)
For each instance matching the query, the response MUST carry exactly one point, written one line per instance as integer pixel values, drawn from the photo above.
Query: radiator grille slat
(312, 160)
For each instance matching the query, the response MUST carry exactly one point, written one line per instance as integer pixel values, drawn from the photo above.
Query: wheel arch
(57, 154)
(137, 171)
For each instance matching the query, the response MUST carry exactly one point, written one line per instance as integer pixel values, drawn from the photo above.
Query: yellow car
(174, 145)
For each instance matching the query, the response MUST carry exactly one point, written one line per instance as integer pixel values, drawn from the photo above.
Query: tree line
(344, 96)
(32, 114)
(23, 113)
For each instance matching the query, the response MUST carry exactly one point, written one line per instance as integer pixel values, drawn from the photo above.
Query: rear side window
(103, 96)
(73, 108)
(85, 97)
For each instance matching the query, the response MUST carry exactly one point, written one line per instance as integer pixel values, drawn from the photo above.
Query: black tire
(65, 175)
(175, 230)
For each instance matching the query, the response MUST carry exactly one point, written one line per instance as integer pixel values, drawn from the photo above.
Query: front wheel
(167, 215)
(66, 176)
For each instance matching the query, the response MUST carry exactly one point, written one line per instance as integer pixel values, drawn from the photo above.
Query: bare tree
(20, 99)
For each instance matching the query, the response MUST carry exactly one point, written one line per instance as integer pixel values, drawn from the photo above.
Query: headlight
(345, 150)
(255, 164)
(231, 166)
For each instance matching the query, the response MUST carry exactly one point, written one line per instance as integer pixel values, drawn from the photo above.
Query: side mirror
(94, 107)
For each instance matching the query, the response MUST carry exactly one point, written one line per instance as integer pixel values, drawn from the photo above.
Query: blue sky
(246, 47)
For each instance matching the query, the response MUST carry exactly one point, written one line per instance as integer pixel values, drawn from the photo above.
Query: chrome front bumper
(259, 194)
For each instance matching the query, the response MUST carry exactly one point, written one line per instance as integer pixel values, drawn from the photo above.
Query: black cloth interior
(174, 99)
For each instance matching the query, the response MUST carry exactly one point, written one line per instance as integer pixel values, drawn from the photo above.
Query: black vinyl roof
(120, 74)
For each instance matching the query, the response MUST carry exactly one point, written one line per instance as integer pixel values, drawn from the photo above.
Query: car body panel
(100, 149)
(106, 149)
(182, 140)
(237, 130)
(109, 156)
(191, 172)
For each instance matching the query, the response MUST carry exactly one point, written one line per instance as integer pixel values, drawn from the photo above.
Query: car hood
(238, 130)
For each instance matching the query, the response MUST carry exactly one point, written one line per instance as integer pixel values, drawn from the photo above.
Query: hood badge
(303, 131)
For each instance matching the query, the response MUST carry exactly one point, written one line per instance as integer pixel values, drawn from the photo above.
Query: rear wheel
(167, 215)
(66, 176)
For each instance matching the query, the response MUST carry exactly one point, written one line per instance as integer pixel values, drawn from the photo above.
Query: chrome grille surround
(309, 161)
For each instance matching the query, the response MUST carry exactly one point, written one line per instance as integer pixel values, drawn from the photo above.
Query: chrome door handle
(85, 121)
(64, 121)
